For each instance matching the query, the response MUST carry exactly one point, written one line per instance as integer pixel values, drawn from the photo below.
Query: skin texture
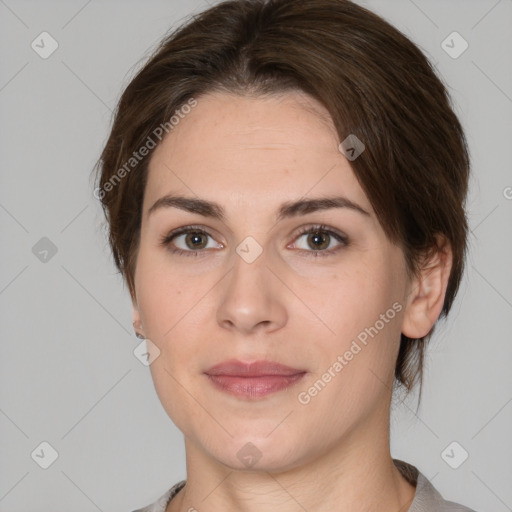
(250, 155)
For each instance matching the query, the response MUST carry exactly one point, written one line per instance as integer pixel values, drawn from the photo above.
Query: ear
(427, 291)
(137, 323)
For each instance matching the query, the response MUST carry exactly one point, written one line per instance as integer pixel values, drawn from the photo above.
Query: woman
(285, 185)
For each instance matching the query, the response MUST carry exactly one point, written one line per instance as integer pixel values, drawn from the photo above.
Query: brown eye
(196, 240)
(189, 241)
(318, 240)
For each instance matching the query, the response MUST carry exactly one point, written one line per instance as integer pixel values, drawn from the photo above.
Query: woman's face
(258, 287)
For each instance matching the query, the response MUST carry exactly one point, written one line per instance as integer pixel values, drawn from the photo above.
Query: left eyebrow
(287, 210)
(305, 206)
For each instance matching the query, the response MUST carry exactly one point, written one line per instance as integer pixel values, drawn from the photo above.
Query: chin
(258, 453)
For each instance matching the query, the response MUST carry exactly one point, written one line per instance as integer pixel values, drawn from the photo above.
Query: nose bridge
(250, 262)
(251, 298)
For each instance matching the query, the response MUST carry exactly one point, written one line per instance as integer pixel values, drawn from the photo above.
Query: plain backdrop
(69, 377)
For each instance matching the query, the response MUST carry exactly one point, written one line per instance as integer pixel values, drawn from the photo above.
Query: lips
(253, 380)
(255, 369)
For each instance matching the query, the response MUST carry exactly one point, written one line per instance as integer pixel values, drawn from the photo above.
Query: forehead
(239, 149)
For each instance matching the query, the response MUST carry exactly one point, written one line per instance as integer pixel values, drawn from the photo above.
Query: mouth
(253, 380)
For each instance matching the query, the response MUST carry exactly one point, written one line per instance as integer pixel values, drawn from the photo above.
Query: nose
(253, 298)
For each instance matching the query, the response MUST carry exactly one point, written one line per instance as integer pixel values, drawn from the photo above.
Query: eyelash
(167, 239)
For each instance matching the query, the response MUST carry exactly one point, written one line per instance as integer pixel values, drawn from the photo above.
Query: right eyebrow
(189, 204)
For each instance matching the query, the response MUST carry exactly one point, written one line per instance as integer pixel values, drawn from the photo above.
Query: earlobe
(427, 292)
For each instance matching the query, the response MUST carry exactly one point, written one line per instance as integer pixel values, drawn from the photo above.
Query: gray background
(69, 376)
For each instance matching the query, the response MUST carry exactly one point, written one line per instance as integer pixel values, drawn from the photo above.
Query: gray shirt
(426, 498)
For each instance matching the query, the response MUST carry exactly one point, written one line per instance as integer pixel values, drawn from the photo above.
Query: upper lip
(237, 368)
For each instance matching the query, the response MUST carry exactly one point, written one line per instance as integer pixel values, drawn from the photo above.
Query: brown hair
(375, 83)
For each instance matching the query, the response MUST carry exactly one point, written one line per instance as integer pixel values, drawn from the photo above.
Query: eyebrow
(287, 209)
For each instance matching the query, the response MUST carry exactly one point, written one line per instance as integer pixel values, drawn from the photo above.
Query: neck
(357, 473)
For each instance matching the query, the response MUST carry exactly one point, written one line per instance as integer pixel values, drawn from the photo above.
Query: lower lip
(253, 387)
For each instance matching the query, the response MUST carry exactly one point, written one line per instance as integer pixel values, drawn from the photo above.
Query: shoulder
(162, 502)
(450, 506)
(427, 498)
(427, 493)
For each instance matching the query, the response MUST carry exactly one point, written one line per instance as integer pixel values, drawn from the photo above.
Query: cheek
(363, 309)
(355, 371)
(354, 299)
(160, 294)
(176, 393)
(166, 307)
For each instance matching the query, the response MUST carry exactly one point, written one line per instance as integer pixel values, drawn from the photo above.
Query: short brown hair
(375, 83)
